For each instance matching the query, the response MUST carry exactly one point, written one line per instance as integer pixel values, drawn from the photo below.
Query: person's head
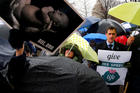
(130, 40)
(69, 54)
(45, 11)
(55, 20)
(111, 34)
(60, 19)
(71, 51)
(92, 43)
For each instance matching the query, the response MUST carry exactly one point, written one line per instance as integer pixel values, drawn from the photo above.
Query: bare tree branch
(102, 7)
(82, 6)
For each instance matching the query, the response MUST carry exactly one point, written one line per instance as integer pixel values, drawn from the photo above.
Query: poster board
(112, 66)
(52, 41)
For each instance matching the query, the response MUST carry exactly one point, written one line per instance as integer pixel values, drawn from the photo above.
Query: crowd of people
(24, 70)
(48, 74)
(128, 42)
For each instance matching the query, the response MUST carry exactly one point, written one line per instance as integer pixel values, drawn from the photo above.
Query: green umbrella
(83, 46)
(129, 12)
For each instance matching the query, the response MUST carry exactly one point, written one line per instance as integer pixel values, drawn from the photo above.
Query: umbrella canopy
(97, 37)
(84, 47)
(128, 26)
(88, 22)
(129, 12)
(101, 27)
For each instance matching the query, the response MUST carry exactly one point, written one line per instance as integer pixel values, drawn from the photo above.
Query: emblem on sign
(111, 76)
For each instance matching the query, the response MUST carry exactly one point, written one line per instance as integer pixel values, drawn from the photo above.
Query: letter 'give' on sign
(114, 56)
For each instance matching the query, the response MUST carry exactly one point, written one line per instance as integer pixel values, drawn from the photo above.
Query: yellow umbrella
(129, 12)
(84, 47)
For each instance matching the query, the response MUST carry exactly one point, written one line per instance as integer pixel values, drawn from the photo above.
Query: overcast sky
(78, 5)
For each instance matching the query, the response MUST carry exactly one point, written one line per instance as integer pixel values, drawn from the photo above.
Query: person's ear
(106, 34)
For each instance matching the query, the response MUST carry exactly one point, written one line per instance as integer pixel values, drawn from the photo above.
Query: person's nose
(57, 11)
(111, 35)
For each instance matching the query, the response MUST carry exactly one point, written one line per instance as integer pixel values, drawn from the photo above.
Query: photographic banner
(48, 23)
(112, 66)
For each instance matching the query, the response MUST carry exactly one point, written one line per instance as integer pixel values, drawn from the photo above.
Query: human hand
(130, 40)
(20, 51)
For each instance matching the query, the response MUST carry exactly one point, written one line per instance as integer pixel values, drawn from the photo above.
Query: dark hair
(111, 28)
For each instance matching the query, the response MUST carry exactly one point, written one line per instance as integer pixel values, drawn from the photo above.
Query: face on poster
(48, 22)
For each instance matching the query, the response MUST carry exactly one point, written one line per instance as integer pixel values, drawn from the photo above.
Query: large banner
(112, 66)
(48, 22)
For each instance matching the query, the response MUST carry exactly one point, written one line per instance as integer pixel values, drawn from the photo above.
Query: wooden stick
(126, 86)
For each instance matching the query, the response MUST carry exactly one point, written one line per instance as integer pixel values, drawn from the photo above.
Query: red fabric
(121, 39)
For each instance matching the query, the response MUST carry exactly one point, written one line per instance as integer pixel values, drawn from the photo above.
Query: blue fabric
(88, 22)
(128, 26)
(83, 29)
(97, 37)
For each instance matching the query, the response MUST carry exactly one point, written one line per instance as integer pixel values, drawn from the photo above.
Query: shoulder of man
(101, 45)
(120, 46)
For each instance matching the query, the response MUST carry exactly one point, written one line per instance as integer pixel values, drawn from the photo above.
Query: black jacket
(117, 46)
(135, 59)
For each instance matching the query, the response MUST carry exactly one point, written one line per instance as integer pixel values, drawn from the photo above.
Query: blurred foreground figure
(134, 74)
(50, 74)
(6, 53)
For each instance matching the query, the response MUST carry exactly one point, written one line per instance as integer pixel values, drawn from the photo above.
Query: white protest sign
(111, 68)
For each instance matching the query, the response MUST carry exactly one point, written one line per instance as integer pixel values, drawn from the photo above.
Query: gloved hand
(127, 65)
(16, 38)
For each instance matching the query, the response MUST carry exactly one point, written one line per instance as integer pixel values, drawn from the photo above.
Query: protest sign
(49, 22)
(112, 66)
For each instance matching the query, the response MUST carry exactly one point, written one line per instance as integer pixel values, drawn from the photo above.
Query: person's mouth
(50, 14)
(46, 12)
